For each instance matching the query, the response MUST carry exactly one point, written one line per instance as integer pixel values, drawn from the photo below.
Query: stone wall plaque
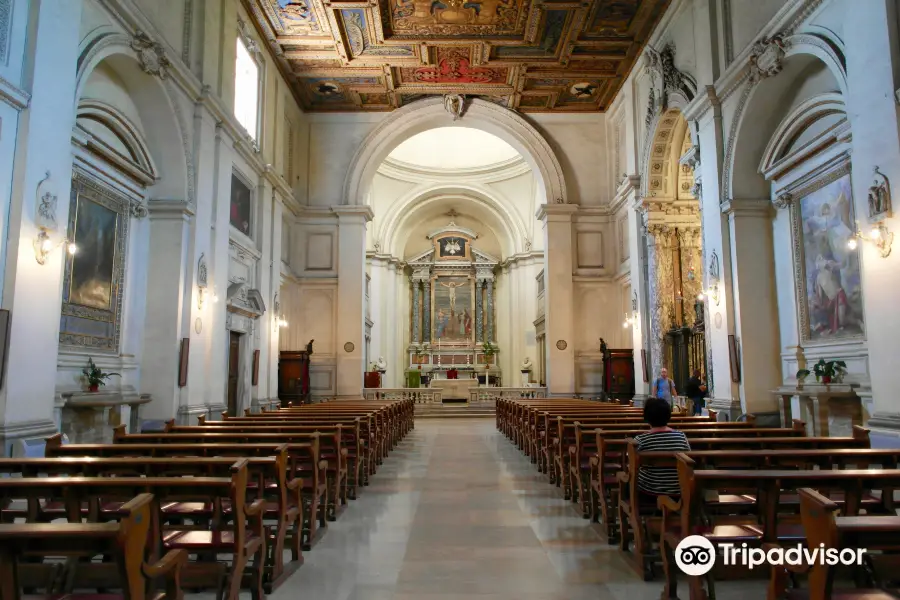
(349, 347)
(561, 345)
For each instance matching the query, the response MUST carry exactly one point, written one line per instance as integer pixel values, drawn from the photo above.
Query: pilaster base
(729, 409)
(26, 430)
(639, 399)
(884, 430)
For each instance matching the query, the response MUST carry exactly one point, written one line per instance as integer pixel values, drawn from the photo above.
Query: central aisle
(457, 512)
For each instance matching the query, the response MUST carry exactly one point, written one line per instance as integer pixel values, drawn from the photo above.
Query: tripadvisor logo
(696, 555)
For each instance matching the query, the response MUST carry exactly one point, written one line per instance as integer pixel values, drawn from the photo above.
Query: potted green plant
(802, 374)
(95, 376)
(489, 350)
(830, 370)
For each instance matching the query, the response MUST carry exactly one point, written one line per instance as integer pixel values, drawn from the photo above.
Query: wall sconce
(282, 322)
(631, 320)
(712, 293)
(43, 246)
(878, 235)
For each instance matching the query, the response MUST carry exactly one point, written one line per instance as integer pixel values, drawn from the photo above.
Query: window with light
(246, 89)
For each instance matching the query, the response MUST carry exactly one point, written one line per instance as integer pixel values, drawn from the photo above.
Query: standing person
(695, 389)
(663, 387)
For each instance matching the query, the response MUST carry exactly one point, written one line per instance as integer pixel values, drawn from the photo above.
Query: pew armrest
(667, 504)
(169, 566)
(622, 477)
(295, 484)
(255, 508)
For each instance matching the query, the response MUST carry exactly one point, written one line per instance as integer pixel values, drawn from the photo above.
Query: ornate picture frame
(94, 277)
(828, 286)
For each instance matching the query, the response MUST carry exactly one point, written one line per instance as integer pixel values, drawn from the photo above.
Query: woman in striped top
(659, 481)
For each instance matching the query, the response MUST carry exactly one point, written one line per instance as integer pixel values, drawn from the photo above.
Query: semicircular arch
(429, 113)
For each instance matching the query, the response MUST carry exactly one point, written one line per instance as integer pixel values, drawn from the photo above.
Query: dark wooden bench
(610, 459)
(331, 450)
(772, 518)
(825, 530)
(267, 481)
(243, 539)
(123, 544)
(303, 463)
(574, 464)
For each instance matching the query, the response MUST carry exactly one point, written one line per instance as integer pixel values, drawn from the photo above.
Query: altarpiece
(452, 308)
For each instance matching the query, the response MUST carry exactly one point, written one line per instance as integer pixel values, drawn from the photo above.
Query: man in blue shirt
(663, 387)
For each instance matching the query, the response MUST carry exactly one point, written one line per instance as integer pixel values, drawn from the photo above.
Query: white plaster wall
(580, 144)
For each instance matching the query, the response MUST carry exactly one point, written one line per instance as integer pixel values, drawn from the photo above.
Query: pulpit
(618, 374)
(293, 377)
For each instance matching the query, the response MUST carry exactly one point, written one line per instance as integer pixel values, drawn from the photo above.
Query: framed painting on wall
(734, 362)
(453, 309)
(93, 277)
(183, 361)
(827, 271)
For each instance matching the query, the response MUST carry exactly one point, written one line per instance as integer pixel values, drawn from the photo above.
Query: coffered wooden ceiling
(530, 55)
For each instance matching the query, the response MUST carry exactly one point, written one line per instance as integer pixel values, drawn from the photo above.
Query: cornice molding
(500, 170)
(748, 207)
(354, 211)
(556, 212)
(13, 95)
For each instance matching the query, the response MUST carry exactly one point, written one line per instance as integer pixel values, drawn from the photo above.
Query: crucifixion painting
(453, 312)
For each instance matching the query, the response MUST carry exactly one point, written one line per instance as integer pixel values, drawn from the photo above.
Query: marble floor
(457, 512)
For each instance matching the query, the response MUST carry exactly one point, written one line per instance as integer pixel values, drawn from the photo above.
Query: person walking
(695, 389)
(663, 387)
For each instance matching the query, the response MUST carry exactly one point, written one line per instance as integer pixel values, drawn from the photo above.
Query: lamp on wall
(878, 235)
(631, 320)
(712, 292)
(43, 246)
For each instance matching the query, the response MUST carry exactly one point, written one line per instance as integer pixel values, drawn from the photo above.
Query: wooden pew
(767, 522)
(636, 520)
(331, 450)
(610, 460)
(573, 461)
(267, 481)
(825, 530)
(122, 543)
(244, 539)
(303, 464)
(350, 432)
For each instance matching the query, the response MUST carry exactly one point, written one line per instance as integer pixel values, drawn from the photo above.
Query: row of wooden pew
(740, 484)
(212, 506)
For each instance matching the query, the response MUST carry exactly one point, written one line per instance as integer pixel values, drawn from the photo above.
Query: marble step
(442, 411)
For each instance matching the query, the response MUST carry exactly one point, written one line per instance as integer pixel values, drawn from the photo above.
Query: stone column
(559, 297)
(43, 143)
(351, 326)
(755, 307)
(489, 302)
(629, 189)
(479, 312)
(415, 311)
(426, 314)
(873, 53)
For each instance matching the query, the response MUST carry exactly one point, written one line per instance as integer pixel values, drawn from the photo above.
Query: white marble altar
(454, 388)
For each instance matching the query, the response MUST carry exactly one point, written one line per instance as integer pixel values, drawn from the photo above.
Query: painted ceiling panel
(534, 56)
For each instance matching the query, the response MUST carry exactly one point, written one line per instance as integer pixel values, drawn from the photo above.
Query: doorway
(234, 365)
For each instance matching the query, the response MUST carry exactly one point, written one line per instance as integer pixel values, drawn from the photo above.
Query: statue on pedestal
(309, 347)
(381, 365)
(526, 371)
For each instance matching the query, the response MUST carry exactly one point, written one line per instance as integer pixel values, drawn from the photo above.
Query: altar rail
(490, 395)
(419, 395)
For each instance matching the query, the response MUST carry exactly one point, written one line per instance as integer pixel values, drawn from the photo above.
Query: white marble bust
(526, 364)
(382, 366)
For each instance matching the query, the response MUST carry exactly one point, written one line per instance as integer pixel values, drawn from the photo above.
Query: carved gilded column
(661, 292)
(479, 312)
(415, 311)
(691, 270)
(426, 321)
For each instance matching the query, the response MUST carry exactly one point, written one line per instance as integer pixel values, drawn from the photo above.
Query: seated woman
(660, 481)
